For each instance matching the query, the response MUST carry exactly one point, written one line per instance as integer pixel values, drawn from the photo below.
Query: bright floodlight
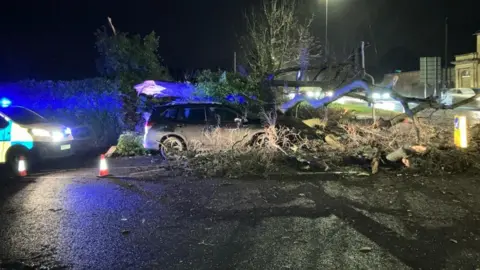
(310, 94)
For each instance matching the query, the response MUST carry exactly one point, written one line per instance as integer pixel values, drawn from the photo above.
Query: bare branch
(276, 39)
(111, 26)
(423, 104)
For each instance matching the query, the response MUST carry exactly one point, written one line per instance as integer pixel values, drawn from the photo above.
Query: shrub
(130, 144)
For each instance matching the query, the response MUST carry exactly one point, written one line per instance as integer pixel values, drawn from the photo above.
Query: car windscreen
(23, 116)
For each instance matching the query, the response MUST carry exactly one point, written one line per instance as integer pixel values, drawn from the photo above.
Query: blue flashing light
(5, 102)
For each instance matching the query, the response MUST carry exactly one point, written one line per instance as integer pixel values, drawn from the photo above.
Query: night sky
(54, 39)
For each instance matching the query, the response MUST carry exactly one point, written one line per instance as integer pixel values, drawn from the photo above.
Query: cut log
(333, 141)
(375, 163)
(419, 149)
(406, 151)
(406, 162)
(397, 155)
(110, 151)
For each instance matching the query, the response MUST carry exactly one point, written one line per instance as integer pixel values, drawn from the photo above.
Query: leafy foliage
(231, 88)
(130, 144)
(220, 85)
(129, 59)
(92, 102)
(122, 55)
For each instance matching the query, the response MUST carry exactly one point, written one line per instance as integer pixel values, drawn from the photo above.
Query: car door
(227, 121)
(5, 138)
(223, 117)
(191, 123)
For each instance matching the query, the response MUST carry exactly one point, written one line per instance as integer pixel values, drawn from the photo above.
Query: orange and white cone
(22, 166)
(103, 167)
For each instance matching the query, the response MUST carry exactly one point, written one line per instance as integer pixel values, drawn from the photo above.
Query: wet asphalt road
(70, 219)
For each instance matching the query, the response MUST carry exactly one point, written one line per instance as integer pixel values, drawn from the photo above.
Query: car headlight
(57, 136)
(40, 132)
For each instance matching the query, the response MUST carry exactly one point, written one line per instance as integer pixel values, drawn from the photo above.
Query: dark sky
(54, 39)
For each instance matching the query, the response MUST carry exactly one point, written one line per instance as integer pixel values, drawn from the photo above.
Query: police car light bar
(5, 102)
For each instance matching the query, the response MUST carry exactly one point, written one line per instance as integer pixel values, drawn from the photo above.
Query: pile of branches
(341, 145)
(423, 145)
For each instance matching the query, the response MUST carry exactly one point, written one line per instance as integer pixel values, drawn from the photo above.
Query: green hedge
(130, 144)
(92, 102)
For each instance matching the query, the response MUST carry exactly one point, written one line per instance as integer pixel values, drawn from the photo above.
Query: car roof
(15, 107)
(464, 91)
(195, 104)
(162, 108)
(192, 102)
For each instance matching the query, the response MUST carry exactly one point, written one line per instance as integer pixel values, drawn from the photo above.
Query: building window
(465, 73)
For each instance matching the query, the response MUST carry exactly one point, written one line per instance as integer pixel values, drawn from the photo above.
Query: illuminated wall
(467, 68)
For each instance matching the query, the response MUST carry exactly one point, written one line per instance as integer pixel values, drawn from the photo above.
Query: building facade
(467, 68)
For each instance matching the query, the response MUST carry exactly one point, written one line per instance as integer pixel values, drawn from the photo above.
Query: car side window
(223, 115)
(192, 115)
(3, 122)
(170, 114)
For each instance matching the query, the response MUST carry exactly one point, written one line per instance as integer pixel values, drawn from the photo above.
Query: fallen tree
(361, 90)
(425, 103)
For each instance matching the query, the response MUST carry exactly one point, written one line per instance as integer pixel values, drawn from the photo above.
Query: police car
(24, 133)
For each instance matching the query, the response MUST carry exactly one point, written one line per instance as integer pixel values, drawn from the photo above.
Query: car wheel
(13, 160)
(171, 147)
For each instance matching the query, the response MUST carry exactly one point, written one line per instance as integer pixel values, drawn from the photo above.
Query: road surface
(144, 219)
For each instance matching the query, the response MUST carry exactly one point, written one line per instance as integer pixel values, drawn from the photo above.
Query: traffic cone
(22, 167)
(103, 167)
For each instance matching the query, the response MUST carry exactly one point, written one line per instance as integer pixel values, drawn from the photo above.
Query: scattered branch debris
(342, 145)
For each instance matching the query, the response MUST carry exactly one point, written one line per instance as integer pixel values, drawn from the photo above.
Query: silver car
(452, 96)
(175, 126)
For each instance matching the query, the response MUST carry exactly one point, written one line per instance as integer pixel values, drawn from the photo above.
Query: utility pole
(234, 62)
(365, 74)
(446, 54)
(363, 58)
